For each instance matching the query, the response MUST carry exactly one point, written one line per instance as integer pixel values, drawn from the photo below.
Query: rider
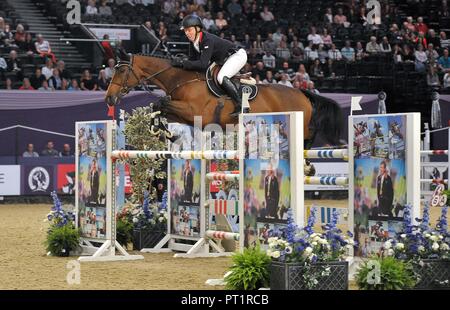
(210, 48)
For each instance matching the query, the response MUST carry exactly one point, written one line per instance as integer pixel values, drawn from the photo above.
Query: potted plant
(308, 260)
(62, 235)
(426, 248)
(385, 273)
(124, 226)
(150, 223)
(250, 270)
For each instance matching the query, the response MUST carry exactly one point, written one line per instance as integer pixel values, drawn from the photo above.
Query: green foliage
(250, 270)
(62, 239)
(142, 170)
(394, 274)
(124, 231)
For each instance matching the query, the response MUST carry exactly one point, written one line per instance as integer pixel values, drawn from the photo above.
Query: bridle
(124, 89)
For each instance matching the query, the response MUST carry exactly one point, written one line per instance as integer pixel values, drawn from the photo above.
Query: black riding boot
(233, 92)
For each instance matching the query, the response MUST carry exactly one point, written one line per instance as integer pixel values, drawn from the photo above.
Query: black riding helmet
(191, 21)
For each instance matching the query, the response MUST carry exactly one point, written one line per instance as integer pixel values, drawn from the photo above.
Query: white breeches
(233, 65)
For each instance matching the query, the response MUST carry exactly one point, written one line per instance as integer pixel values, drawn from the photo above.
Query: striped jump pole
(434, 152)
(222, 235)
(326, 180)
(175, 155)
(435, 181)
(225, 207)
(223, 176)
(316, 154)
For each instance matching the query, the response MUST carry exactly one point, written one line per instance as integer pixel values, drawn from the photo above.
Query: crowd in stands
(294, 43)
(48, 151)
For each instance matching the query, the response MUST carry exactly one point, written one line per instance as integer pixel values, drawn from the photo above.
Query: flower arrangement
(150, 217)
(62, 235)
(308, 248)
(420, 241)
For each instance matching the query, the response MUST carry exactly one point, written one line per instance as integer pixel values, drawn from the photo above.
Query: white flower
(349, 246)
(434, 238)
(314, 243)
(350, 241)
(135, 220)
(400, 246)
(403, 236)
(421, 248)
(441, 237)
(427, 235)
(390, 252)
(269, 253)
(387, 245)
(276, 254)
(435, 246)
(323, 241)
(288, 250)
(308, 251)
(445, 247)
(161, 219)
(272, 239)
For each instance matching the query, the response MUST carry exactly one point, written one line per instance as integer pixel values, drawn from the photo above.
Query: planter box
(433, 272)
(146, 238)
(288, 276)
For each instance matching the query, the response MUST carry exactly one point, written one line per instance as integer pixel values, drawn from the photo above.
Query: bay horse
(189, 97)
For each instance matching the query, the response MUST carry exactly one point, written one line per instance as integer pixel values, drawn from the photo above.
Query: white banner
(328, 169)
(114, 33)
(9, 180)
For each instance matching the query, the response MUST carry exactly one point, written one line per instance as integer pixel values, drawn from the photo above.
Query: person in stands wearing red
(109, 52)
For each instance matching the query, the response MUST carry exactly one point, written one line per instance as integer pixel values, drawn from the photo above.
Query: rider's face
(190, 33)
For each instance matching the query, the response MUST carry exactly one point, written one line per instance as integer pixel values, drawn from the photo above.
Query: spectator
(267, 15)
(63, 72)
(302, 71)
(340, 18)
(300, 78)
(8, 84)
(296, 85)
(296, 44)
(47, 70)
(26, 85)
(64, 84)
(420, 59)
(362, 16)
(259, 69)
(395, 35)
(247, 43)
(14, 64)
(45, 87)
(409, 24)
(108, 50)
(102, 81)
(66, 152)
(74, 85)
(446, 81)
(314, 37)
(432, 55)
(326, 38)
(434, 39)
(162, 32)
(55, 81)
(421, 40)
(253, 14)
(329, 69)
(334, 53)
(49, 150)
(433, 78)
(234, 8)
(398, 54)
(444, 62)
(91, 9)
(104, 9)
(311, 52)
(359, 51)
(109, 71)
(328, 17)
(420, 26)
(29, 45)
(43, 48)
(286, 70)
(269, 78)
(37, 78)
(209, 23)
(316, 69)
(258, 79)
(348, 52)
(282, 50)
(269, 60)
(270, 45)
(221, 23)
(20, 37)
(277, 36)
(7, 37)
(87, 83)
(312, 88)
(444, 42)
(372, 47)
(385, 47)
(149, 27)
(284, 80)
(30, 151)
(322, 54)
(408, 55)
(3, 67)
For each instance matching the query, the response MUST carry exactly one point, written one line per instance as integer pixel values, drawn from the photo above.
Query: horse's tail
(327, 119)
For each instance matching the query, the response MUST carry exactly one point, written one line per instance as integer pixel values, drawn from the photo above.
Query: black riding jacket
(212, 49)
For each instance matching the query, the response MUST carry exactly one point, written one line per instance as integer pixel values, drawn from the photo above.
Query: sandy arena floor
(24, 264)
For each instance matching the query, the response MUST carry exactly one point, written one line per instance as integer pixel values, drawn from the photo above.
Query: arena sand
(25, 265)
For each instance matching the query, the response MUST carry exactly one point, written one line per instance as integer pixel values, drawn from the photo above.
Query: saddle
(244, 83)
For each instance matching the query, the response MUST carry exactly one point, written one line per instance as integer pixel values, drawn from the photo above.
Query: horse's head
(123, 80)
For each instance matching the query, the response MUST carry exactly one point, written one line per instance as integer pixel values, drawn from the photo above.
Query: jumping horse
(189, 96)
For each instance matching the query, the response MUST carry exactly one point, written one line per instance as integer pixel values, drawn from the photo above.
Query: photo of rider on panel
(209, 48)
